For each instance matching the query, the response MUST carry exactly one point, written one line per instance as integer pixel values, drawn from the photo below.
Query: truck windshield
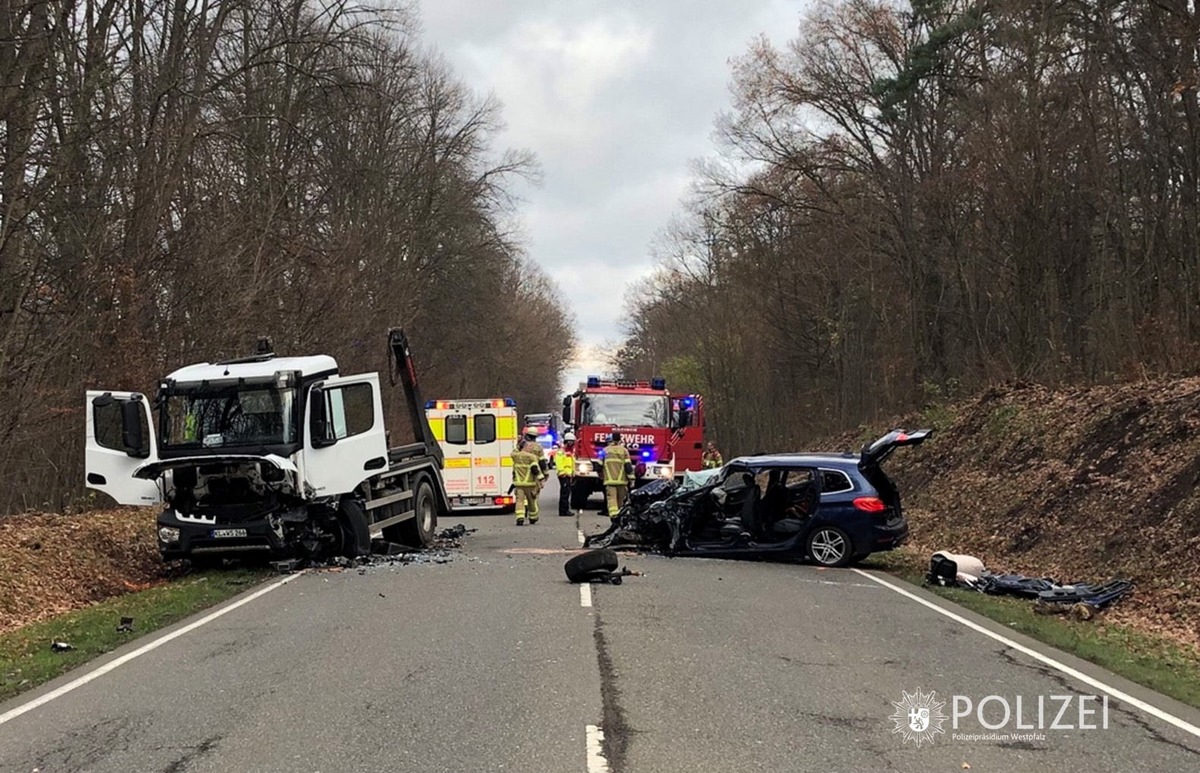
(246, 415)
(625, 410)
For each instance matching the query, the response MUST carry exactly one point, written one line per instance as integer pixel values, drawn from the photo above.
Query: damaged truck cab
(280, 456)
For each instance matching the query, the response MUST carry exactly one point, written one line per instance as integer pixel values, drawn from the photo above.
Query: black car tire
(419, 531)
(858, 558)
(830, 546)
(579, 497)
(356, 534)
(580, 567)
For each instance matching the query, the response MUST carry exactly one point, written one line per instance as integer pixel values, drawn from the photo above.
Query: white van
(477, 438)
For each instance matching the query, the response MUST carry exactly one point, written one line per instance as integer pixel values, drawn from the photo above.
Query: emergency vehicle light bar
(442, 405)
(655, 383)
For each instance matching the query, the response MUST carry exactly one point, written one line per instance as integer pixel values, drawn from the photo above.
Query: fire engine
(663, 432)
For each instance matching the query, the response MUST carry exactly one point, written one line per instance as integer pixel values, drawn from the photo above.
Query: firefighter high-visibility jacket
(540, 453)
(526, 472)
(616, 465)
(564, 464)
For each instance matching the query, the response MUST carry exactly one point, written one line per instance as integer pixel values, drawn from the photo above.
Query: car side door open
(119, 439)
(346, 442)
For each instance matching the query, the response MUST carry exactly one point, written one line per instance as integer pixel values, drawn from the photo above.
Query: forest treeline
(911, 200)
(178, 177)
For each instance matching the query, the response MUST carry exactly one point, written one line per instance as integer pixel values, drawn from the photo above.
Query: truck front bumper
(186, 538)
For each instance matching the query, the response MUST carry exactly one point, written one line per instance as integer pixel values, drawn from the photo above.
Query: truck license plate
(219, 533)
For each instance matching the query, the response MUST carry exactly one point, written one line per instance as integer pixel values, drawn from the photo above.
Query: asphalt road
(492, 662)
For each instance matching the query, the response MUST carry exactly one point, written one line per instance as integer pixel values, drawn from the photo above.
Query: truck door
(485, 454)
(345, 440)
(120, 438)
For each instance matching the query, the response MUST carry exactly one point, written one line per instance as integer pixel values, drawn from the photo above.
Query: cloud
(615, 98)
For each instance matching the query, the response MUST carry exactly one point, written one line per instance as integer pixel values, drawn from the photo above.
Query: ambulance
(477, 437)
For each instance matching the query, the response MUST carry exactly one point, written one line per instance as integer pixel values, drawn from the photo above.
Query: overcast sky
(615, 97)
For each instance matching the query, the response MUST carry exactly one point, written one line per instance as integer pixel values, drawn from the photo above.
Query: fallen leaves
(50, 564)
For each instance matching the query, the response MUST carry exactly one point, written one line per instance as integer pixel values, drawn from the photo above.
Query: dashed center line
(585, 594)
(595, 750)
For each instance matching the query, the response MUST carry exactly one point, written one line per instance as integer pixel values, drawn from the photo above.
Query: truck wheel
(418, 532)
(579, 497)
(356, 534)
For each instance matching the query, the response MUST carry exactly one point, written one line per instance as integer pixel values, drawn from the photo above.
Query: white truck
(277, 456)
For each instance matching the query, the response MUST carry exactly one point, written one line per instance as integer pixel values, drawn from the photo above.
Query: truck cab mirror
(566, 411)
(133, 435)
(318, 413)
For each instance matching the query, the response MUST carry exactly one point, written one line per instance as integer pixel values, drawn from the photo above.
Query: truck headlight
(663, 471)
(168, 534)
(583, 467)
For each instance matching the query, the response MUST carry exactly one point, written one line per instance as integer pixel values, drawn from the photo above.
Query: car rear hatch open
(871, 461)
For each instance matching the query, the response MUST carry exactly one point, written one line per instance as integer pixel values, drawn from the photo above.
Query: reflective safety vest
(564, 463)
(190, 422)
(712, 460)
(526, 471)
(616, 458)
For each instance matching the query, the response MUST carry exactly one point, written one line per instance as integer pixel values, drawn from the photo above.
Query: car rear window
(835, 482)
(485, 428)
(456, 429)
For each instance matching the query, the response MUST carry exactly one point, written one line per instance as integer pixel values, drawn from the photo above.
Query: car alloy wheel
(829, 547)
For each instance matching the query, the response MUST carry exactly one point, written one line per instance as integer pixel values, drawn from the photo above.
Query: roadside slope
(50, 564)
(1076, 484)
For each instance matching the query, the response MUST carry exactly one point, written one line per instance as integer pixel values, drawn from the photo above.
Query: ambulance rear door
(449, 425)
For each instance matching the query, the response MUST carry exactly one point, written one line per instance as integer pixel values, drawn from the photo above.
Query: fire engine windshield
(250, 415)
(626, 410)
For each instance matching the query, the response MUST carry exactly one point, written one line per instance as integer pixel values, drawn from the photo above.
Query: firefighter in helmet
(527, 481)
(618, 471)
(564, 465)
(712, 457)
(534, 447)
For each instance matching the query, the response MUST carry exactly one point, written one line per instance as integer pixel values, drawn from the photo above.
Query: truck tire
(356, 534)
(418, 532)
(580, 567)
(579, 496)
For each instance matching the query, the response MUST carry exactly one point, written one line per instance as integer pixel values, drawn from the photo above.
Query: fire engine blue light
(689, 402)
(593, 382)
(645, 454)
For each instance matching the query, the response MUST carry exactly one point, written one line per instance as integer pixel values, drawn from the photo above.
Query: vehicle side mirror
(566, 411)
(319, 420)
(132, 435)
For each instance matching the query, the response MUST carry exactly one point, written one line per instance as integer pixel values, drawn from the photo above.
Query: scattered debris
(60, 646)
(455, 532)
(286, 566)
(126, 625)
(1081, 600)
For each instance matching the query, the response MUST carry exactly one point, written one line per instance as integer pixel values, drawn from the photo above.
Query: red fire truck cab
(663, 432)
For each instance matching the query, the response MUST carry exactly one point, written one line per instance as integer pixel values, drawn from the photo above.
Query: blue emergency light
(658, 383)
(689, 402)
(645, 454)
(593, 382)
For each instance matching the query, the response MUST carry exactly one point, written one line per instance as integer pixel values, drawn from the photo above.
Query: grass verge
(1152, 661)
(26, 659)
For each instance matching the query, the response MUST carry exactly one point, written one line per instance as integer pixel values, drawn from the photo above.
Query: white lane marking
(595, 750)
(142, 650)
(1153, 711)
(581, 536)
(585, 594)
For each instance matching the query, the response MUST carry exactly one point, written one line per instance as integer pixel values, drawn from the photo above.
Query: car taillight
(870, 504)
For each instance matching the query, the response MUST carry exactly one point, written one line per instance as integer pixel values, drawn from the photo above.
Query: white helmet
(569, 437)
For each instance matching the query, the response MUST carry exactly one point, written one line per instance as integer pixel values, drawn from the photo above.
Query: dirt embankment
(50, 564)
(1075, 484)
